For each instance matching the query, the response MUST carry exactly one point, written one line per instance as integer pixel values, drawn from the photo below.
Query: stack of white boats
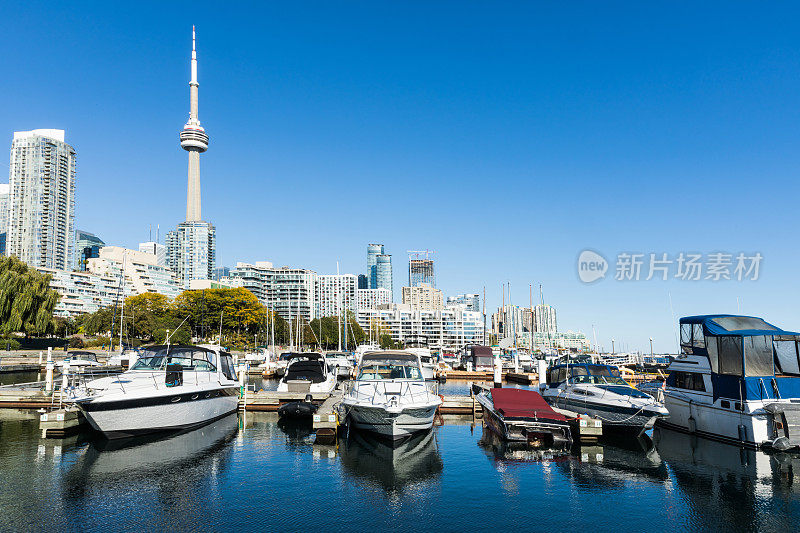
(390, 396)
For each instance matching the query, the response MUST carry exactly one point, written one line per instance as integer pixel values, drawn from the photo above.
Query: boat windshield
(389, 371)
(595, 374)
(188, 357)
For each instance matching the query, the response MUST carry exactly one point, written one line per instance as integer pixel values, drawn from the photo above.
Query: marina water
(250, 471)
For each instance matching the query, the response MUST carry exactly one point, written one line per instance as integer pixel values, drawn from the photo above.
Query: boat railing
(406, 389)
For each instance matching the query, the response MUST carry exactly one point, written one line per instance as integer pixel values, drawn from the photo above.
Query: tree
(387, 343)
(26, 299)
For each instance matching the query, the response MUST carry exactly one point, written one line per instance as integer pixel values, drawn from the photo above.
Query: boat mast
(122, 309)
(338, 311)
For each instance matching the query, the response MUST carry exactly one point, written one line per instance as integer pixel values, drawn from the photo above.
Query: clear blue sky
(507, 137)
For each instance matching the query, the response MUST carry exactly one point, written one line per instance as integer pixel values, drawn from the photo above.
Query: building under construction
(420, 271)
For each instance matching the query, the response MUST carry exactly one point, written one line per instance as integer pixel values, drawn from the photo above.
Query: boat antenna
(176, 329)
(221, 313)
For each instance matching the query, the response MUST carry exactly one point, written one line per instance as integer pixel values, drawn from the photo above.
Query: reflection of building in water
(415, 460)
(731, 488)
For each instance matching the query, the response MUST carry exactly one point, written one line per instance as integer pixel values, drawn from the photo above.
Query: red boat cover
(523, 403)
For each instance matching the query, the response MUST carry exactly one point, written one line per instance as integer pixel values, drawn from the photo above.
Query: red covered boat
(520, 415)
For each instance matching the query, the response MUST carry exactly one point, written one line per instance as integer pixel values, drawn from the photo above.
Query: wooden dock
(9, 369)
(326, 419)
(524, 378)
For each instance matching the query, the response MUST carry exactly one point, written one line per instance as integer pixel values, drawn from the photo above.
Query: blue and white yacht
(600, 391)
(737, 381)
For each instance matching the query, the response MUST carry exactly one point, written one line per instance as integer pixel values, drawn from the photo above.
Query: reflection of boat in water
(154, 454)
(504, 451)
(731, 487)
(297, 430)
(392, 466)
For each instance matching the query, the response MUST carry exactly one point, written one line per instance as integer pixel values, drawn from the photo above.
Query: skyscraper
(383, 272)
(373, 251)
(41, 202)
(191, 248)
(3, 216)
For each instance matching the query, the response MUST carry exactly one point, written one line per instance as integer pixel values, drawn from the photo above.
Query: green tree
(387, 343)
(26, 299)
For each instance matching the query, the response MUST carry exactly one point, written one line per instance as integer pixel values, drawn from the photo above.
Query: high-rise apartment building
(363, 281)
(544, 319)
(372, 298)
(335, 294)
(191, 248)
(157, 249)
(423, 297)
(444, 329)
(3, 216)
(41, 200)
(287, 291)
(383, 272)
(373, 251)
(87, 246)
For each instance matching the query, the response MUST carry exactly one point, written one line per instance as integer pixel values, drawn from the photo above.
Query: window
(730, 355)
(688, 381)
(786, 355)
(713, 355)
(698, 339)
(686, 334)
(736, 323)
(758, 358)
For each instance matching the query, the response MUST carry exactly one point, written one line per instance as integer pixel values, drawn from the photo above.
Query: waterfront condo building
(41, 199)
(334, 294)
(372, 298)
(289, 292)
(423, 297)
(373, 251)
(141, 270)
(471, 302)
(544, 319)
(448, 329)
(3, 216)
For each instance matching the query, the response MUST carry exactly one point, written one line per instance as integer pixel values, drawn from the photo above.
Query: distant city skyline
(507, 140)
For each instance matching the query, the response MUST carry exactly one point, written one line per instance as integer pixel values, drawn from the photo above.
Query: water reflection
(747, 488)
(392, 467)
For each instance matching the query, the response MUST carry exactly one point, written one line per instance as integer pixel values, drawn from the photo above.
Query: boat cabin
(389, 366)
(307, 367)
(80, 355)
(481, 357)
(178, 357)
(737, 357)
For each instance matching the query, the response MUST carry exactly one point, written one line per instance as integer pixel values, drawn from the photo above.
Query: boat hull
(521, 429)
(391, 424)
(129, 417)
(615, 418)
(716, 423)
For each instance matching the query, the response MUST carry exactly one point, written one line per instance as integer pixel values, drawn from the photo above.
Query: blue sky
(506, 137)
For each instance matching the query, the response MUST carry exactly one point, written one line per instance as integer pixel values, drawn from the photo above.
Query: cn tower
(195, 141)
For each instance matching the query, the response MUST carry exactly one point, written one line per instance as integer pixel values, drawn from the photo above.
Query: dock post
(48, 380)
(40, 359)
(498, 368)
(64, 380)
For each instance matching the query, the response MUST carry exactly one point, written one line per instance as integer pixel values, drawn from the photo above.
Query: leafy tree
(387, 343)
(26, 299)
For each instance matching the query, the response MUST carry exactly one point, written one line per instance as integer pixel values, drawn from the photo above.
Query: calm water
(250, 473)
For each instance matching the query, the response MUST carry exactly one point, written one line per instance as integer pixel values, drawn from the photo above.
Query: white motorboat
(258, 357)
(429, 364)
(341, 361)
(308, 372)
(79, 359)
(390, 397)
(599, 391)
(170, 387)
(125, 359)
(737, 381)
